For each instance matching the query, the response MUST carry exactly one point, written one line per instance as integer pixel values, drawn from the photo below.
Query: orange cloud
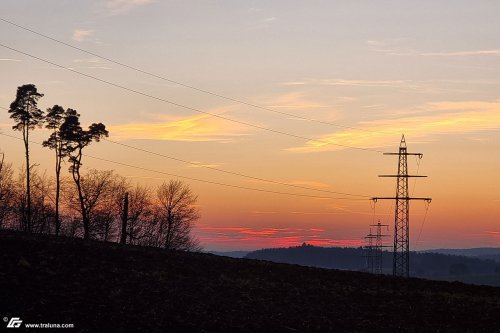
(439, 118)
(198, 164)
(295, 100)
(194, 128)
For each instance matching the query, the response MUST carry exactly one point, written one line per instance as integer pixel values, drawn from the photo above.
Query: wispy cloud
(308, 183)
(262, 22)
(92, 60)
(314, 213)
(398, 47)
(294, 100)
(493, 52)
(253, 10)
(260, 212)
(92, 63)
(440, 118)
(194, 128)
(10, 59)
(115, 7)
(269, 237)
(198, 164)
(391, 46)
(80, 35)
(353, 83)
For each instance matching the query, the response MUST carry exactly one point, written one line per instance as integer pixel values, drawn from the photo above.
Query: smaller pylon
(374, 249)
(368, 252)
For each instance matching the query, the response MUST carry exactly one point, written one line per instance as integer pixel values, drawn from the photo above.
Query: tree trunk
(58, 188)
(77, 178)
(123, 238)
(106, 230)
(169, 230)
(28, 171)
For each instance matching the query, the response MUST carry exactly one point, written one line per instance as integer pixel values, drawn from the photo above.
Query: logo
(15, 322)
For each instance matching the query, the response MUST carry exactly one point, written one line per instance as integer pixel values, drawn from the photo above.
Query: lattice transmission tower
(401, 258)
(373, 252)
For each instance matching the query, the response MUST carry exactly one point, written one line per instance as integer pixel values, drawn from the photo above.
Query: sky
(365, 72)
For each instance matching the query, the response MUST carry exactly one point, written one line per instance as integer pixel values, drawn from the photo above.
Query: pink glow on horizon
(232, 238)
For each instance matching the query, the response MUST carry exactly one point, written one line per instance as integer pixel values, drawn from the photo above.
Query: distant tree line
(422, 264)
(93, 204)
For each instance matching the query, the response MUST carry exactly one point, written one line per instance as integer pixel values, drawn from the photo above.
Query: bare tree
(103, 224)
(120, 205)
(19, 201)
(177, 214)
(139, 213)
(42, 204)
(95, 196)
(24, 110)
(135, 218)
(7, 192)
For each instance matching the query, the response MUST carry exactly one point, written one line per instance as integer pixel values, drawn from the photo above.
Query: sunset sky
(367, 71)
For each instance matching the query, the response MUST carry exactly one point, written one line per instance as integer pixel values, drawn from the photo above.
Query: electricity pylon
(374, 250)
(369, 252)
(401, 259)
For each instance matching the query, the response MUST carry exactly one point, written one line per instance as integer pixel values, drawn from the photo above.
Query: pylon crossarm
(403, 153)
(400, 198)
(403, 176)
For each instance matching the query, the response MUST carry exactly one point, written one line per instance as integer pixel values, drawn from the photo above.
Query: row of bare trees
(94, 204)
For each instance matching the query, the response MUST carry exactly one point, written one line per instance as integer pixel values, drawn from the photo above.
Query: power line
(116, 62)
(141, 93)
(221, 184)
(232, 172)
(228, 171)
(202, 180)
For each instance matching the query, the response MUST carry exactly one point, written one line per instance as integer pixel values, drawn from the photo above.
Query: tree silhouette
(7, 190)
(139, 212)
(134, 209)
(98, 190)
(76, 139)
(53, 121)
(177, 215)
(42, 207)
(25, 112)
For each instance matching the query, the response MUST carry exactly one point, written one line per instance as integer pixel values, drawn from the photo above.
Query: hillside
(491, 253)
(104, 287)
(423, 264)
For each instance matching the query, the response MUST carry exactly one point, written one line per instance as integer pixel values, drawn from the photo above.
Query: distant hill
(492, 253)
(232, 254)
(107, 287)
(426, 265)
(474, 252)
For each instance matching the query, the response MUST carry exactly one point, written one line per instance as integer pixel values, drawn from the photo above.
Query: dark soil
(104, 287)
